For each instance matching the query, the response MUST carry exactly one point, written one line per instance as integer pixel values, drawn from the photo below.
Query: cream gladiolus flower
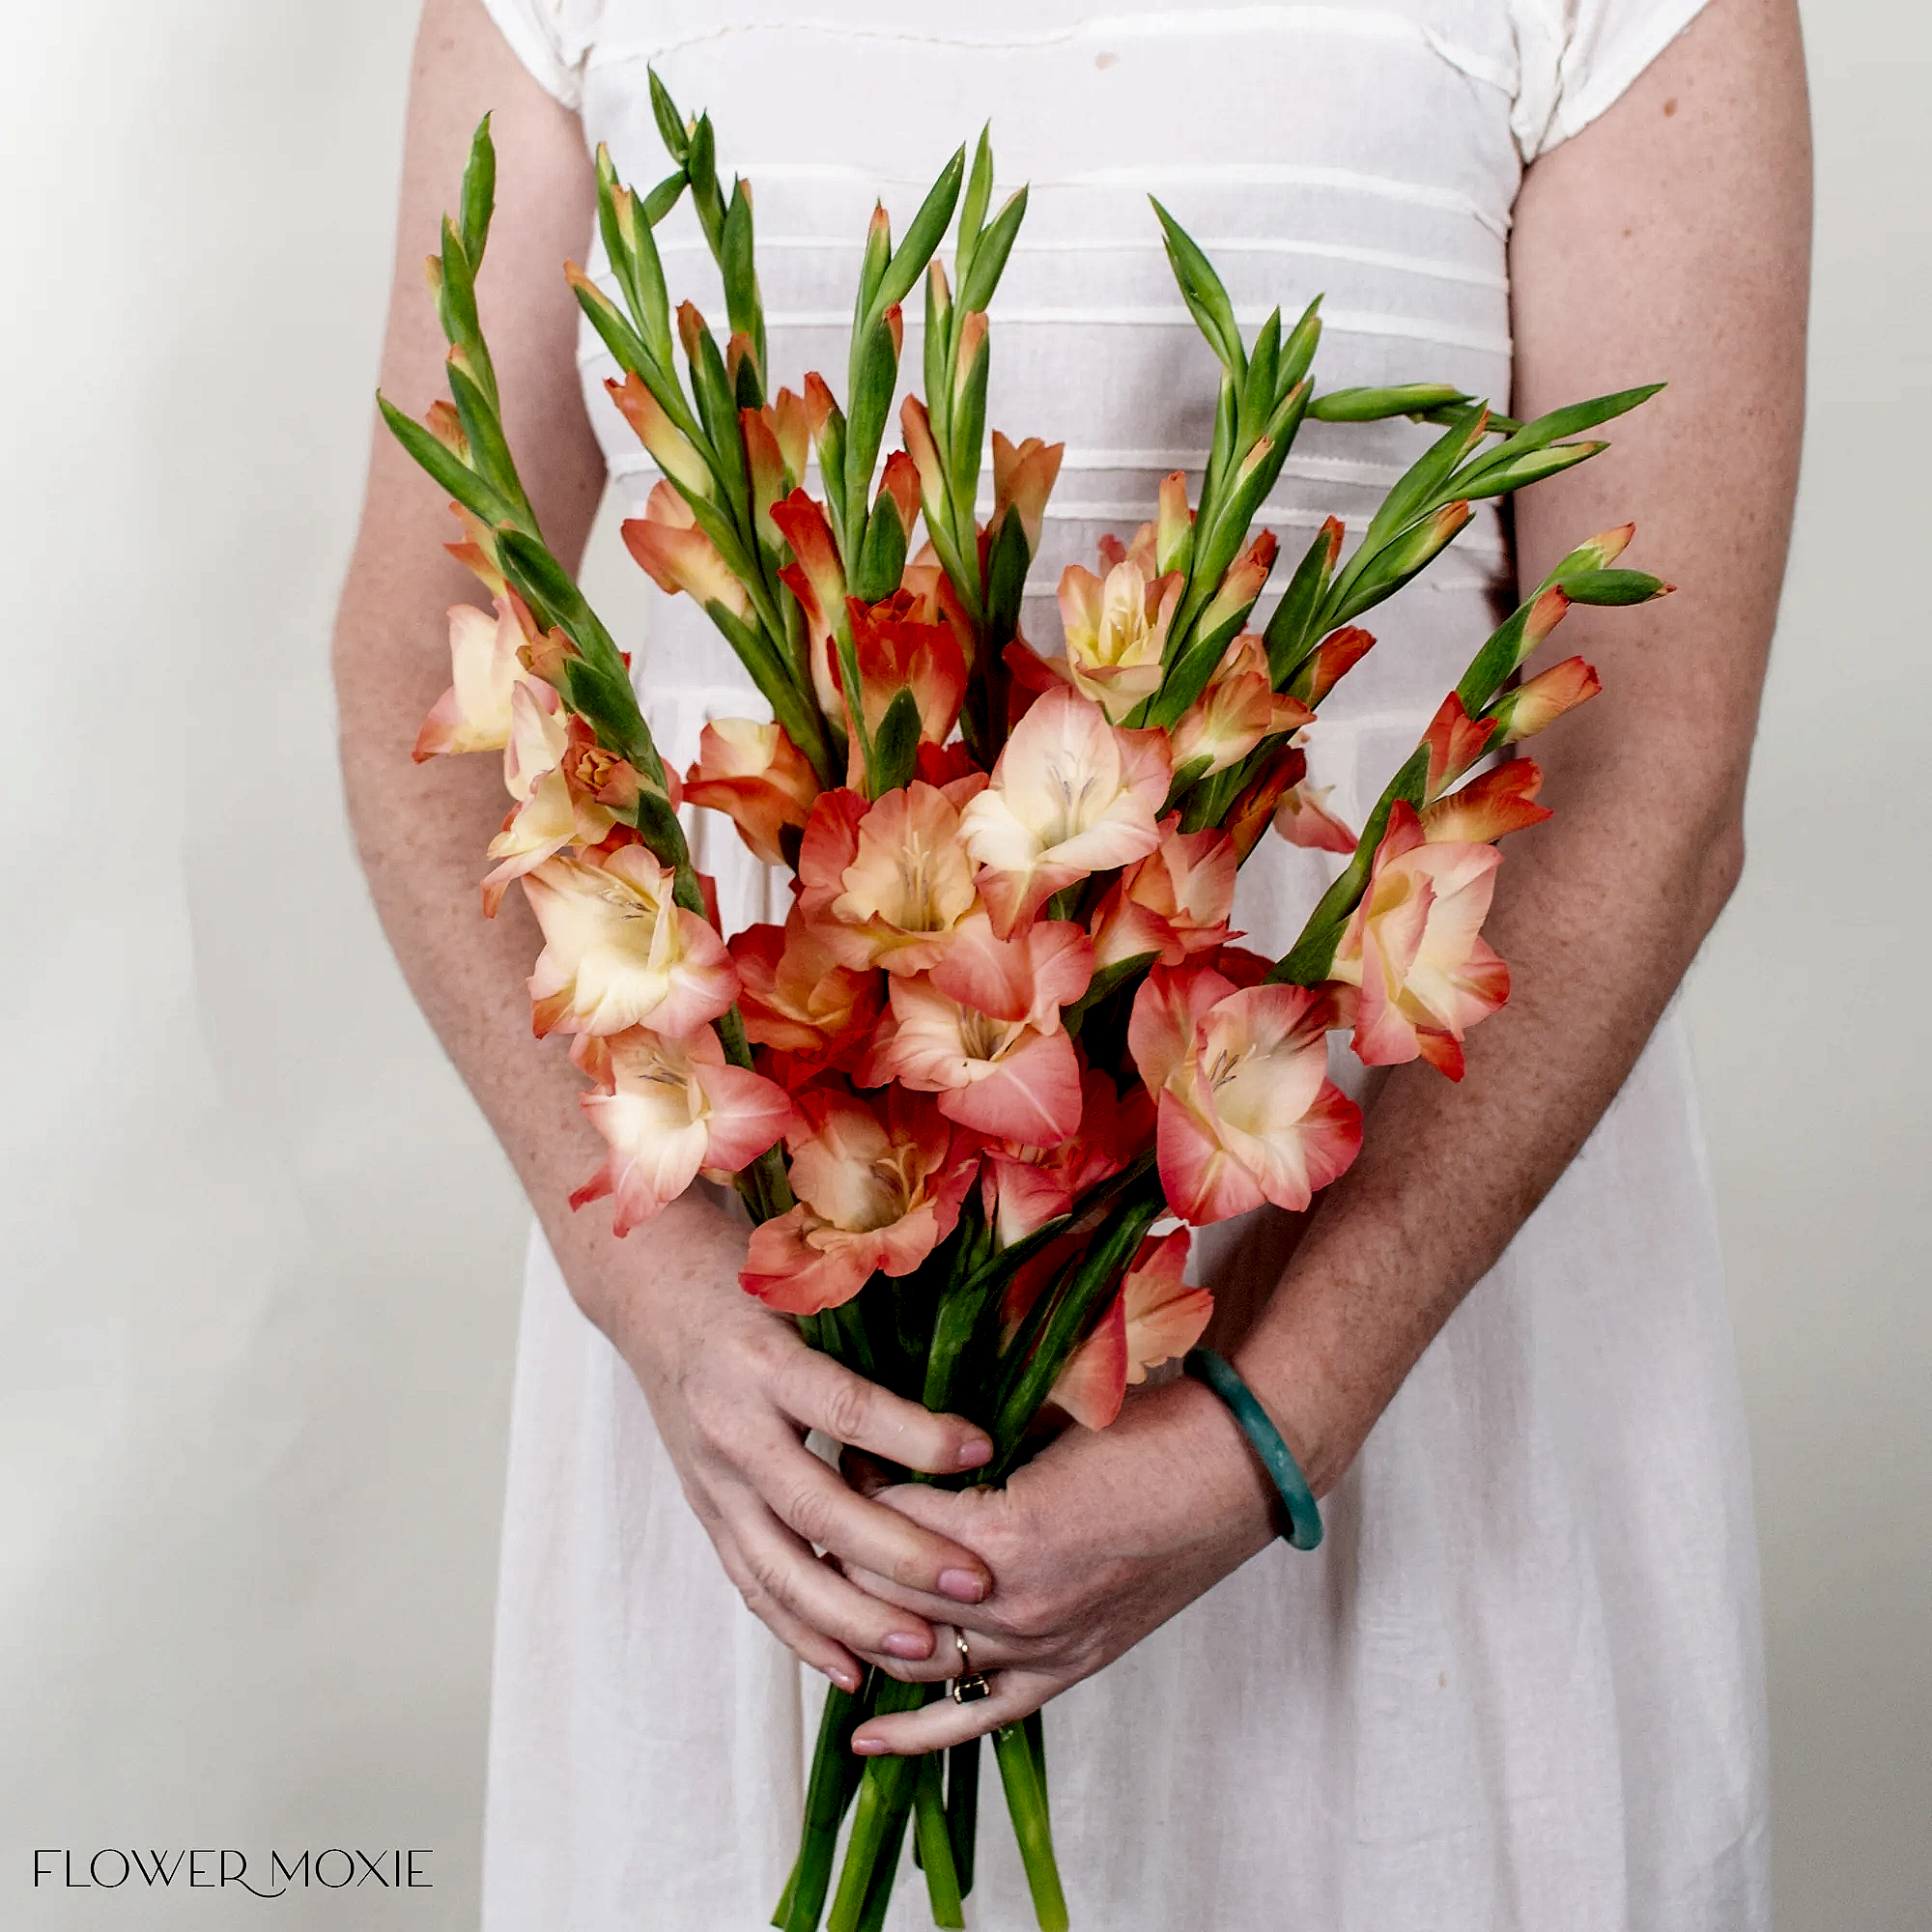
(618, 953)
(473, 715)
(1116, 630)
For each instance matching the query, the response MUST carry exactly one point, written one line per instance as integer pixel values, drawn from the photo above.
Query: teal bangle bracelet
(1304, 1520)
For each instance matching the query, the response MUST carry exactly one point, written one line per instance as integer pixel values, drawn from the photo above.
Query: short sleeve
(1577, 57)
(551, 38)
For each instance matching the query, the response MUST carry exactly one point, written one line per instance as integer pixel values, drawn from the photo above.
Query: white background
(260, 1257)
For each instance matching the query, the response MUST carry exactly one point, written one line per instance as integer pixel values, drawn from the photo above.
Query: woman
(1519, 1684)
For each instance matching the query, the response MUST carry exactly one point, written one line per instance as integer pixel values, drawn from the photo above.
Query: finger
(943, 1723)
(784, 1569)
(988, 1653)
(814, 1502)
(927, 1604)
(861, 1414)
(810, 1646)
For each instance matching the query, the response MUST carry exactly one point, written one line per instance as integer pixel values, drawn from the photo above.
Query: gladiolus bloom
(674, 1108)
(1023, 1186)
(473, 715)
(1302, 819)
(983, 1033)
(1414, 950)
(758, 778)
(618, 953)
(670, 449)
(897, 651)
(1237, 710)
(667, 544)
(797, 999)
(878, 1189)
(1071, 795)
(1153, 1317)
(1501, 801)
(1531, 707)
(1172, 904)
(1248, 1111)
(1115, 631)
(887, 884)
(550, 812)
(1023, 478)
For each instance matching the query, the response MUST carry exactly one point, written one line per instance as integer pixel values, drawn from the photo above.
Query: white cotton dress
(1518, 1687)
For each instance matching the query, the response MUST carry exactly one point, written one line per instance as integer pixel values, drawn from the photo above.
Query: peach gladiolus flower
(887, 884)
(618, 953)
(667, 544)
(983, 1031)
(1172, 904)
(1248, 1111)
(674, 1108)
(1153, 1317)
(1023, 478)
(1023, 1186)
(550, 812)
(1237, 710)
(1071, 795)
(473, 715)
(1503, 799)
(816, 578)
(1115, 629)
(670, 449)
(1413, 948)
(878, 1189)
(896, 650)
(757, 777)
(1303, 819)
(798, 1000)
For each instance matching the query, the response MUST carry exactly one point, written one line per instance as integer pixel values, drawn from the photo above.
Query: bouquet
(1004, 1052)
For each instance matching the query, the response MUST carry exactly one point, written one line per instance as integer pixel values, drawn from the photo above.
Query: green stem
(935, 1844)
(885, 1797)
(1026, 1801)
(962, 1807)
(834, 1778)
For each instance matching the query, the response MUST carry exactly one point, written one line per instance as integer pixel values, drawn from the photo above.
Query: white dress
(1520, 1684)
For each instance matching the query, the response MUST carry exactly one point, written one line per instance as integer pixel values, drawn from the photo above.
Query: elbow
(1721, 865)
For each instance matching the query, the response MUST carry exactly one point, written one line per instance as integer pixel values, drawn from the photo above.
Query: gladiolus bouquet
(1002, 1054)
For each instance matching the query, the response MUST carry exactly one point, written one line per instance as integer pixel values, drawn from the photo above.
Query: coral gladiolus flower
(1172, 904)
(674, 1107)
(1413, 949)
(983, 1032)
(1115, 631)
(550, 812)
(816, 578)
(757, 777)
(670, 449)
(473, 715)
(1153, 1317)
(1522, 713)
(1502, 799)
(878, 1189)
(798, 1000)
(1023, 478)
(678, 555)
(887, 884)
(1237, 710)
(618, 953)
(1024, 1187)
(897, 651)
(1302, 819)
(1248, 1111)
(1071, 795)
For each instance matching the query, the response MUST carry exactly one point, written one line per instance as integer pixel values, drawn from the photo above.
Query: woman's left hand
(1097, 1540)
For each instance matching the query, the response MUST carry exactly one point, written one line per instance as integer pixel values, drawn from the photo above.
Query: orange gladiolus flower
(673, 1108)
(1248, 1111)
(1413, 948)
(1302, 819)
(757, 777)
(1172, 904)
(1071, 794)
(667, 544)
(798, 1000)
(1153, 1317)
(473, 715)
(618, 953)
(878, 1189)
(983, 1031)
(887, 884)
(1237, 710)
(1023, 1186)
(897, 651)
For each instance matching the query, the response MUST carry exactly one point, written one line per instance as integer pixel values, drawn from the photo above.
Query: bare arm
(1668, 238)
(731, 1386)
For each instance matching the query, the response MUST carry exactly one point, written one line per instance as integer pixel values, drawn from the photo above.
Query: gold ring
(971, 1685)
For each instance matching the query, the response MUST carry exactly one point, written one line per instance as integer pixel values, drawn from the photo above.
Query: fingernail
(845, 1678)
(868, 1746)
(961, 1586)
(974, 1455)
(903, 1643)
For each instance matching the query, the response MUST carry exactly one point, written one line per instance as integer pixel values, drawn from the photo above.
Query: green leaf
(989, 258)
(488, 449)
(1572, 420)
(479, 192)
(663, 198)
(1373, 577)
(1257, 391)
(1007, 561)
(978, 197)
(456, 304)
(968, 429)
(735, 261)
(670, 123)
(895, 745)
(938, 343)
(882, 560)
(444, 466)
(701, 168)
(1406, 399)
(1202, 290)
(924, 237)
(1297, 352)
(1420, 487)
(1497, 479)
(1288, 634)
(878, 377)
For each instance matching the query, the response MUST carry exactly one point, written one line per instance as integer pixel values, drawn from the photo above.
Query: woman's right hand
(733, 1391)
